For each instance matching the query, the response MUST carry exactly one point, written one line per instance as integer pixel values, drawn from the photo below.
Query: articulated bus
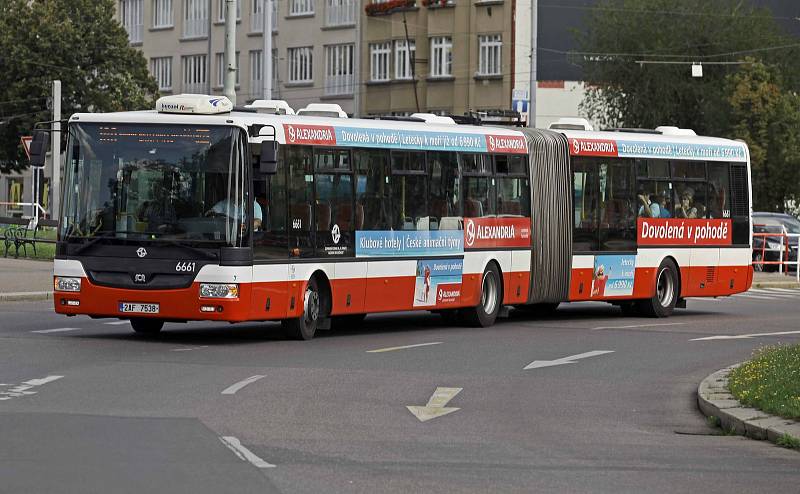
(197, 211)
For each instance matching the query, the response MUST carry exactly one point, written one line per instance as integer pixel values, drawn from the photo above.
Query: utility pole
(229, 89)
(533, 75)
(266, 70)
(210, 27)
(357, 65)
(55, 143)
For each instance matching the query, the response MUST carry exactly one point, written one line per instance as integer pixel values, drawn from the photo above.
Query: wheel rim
(665, 288)
(489, 292)
(311, 305)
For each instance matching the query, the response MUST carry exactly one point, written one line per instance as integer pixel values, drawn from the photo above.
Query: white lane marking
(436, 404)
(230, 390)
(117, 323)
(24, 388)
(245, 454)
(744, 336)
(770, 293)
(786, 290)
(537, 364)
(188, 349)
(57, 330)
(393, 348)
(758, 297)
(639, 326)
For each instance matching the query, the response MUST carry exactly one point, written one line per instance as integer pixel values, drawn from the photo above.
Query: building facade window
(219, 60)
(441, 56)
(257, 16)
(340, 12)
(195, 18)
(131, 13)
(221, 8)
(256, 84)
(379, 55)
(490, 49)
(404, 54)
(301, 7)
(162, 13)
(301, 63)
(161, 68)
(195, 74)
(339, 69)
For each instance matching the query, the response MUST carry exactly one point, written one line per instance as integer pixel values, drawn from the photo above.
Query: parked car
(767, 248)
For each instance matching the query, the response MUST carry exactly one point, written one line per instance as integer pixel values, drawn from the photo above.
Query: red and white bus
(197, 211)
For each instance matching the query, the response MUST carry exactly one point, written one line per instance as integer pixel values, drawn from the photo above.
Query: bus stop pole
(55, 143)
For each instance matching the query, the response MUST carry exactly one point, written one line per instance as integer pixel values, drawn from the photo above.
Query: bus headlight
(63, 284)
(219, 290)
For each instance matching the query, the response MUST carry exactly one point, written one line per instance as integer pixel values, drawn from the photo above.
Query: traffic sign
(26, 144)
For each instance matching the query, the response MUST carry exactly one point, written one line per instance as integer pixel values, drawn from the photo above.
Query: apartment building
(440, 56)
(313, 54)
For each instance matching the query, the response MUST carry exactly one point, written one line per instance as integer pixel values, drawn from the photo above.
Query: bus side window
(586, 190)
(301, 198)
(513, 188)
(270, 241)
(719, 190)
(445, 201)
(409, 191)
(479, 185)
(373, 209)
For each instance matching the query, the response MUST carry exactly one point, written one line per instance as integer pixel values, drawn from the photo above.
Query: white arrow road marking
(245, 454)
(436, 405)
(57, 330)
(23, 389)
(537, 364)
(393, 348)
(236, 387)
(743, 336)
(639, 326)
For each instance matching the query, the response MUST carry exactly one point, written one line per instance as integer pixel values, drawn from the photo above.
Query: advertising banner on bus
(658, 150)
(687, 232)
(438, 282)
(327, 135)
(613, 276)
(412, 243)
(483, 233)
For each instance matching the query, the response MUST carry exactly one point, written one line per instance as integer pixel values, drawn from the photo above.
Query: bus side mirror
(39, 145)
(268, 163)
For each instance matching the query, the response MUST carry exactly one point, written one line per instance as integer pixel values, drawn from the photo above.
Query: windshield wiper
(89, 243)
(175, 243)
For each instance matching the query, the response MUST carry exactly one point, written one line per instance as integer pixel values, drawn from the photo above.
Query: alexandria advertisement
(486, 233)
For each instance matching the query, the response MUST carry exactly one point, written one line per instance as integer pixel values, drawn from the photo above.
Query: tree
(76, 41)
(625, 36)
(767, 117)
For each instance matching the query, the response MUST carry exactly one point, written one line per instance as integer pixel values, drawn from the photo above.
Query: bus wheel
(304, 327)
(485, 312)
(146, 326)
(667, 291)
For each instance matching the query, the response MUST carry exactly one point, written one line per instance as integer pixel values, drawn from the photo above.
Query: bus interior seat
(473, 208)
(509, 207)
(323, 216)
(450, 223)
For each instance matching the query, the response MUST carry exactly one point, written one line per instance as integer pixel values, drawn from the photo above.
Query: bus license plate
(138, 308)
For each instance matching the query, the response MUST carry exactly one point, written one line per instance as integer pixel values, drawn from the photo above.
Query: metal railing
(779, 242)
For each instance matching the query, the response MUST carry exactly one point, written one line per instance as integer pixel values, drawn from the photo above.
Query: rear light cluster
(219, 290)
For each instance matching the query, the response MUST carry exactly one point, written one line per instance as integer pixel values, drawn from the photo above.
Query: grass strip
(770, 381)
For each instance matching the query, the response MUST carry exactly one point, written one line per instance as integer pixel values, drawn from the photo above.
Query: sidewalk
(24, 279)
(774, 280)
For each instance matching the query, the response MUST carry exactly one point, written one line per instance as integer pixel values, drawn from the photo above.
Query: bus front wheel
(485, 313)
(146, 326)
(305, 326)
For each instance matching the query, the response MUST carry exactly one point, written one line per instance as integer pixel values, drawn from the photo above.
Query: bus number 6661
(185, 267)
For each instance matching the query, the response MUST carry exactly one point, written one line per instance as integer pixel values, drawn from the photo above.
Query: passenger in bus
(649, 205)
(663, 205)
(687, 208)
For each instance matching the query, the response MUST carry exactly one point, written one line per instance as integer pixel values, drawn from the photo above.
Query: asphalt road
(88, 406)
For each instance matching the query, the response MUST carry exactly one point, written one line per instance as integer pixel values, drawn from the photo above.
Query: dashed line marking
(639, 326)
(56, 330)
(230, 390)
(117, 323)
(757, 297)
(23, 389)
(393, 348)
(188, 349)
(245, 454)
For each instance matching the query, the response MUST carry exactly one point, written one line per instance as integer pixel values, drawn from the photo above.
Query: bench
(18, 236)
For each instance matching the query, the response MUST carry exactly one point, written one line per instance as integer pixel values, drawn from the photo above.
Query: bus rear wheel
(485, 313)
(305, 326)
(146, 326)
(662, 303)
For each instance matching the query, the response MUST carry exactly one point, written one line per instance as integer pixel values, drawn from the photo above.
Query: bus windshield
(154, 182)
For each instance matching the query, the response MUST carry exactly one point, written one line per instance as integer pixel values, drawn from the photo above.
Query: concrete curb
(25, 296)
(776, 284)
(715, 400)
